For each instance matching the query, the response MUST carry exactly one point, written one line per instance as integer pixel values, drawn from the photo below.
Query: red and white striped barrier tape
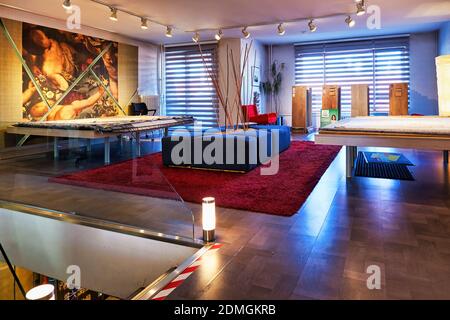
(175, 283)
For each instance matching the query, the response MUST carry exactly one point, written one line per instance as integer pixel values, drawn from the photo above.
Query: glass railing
(131, 192)
(103, 260)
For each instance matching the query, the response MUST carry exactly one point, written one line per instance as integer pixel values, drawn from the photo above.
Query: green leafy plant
(272, 86)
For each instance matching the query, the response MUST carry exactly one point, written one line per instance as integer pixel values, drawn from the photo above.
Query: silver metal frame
(152, 289)
(100, 224)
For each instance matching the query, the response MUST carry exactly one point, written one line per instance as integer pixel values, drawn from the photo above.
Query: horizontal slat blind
(189, 89)
(377, 62)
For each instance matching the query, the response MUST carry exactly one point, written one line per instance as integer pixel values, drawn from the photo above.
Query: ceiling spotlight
(312, 26)
(351, 23)
(169, 32)
(113, 15)
(144, 25)
(219, 35)
(196, 37)
(67, 5)
(280, 29)
(360, 8)
(245, 33)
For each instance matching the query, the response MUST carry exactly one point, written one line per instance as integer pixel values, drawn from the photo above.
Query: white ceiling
(397, 16)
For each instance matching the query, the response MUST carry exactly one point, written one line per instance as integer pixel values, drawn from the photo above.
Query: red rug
(301, 167)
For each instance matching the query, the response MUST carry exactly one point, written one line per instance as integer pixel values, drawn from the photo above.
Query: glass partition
(132, 192)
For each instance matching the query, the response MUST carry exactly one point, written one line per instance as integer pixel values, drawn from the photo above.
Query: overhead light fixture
(280, 29)
(360, 8)
(245, 33)
(144, 25)
(169, 32)
(351, 23)
(196, 37)
(42, 292)
(67, 5)
(312, 26)
(113, 15)
(209, 218)
(219, 35)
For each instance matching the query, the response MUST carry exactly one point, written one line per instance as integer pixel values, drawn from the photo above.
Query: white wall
(284, 54)
(423, 85)
(256, 58)
(444, 39)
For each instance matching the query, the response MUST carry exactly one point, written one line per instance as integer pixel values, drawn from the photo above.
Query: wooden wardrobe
(302, 109)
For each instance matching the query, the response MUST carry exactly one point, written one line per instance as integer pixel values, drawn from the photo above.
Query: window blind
(189, 89)
(377, 62)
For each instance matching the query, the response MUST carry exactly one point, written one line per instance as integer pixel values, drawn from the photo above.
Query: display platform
(99, 128)
(427, 133)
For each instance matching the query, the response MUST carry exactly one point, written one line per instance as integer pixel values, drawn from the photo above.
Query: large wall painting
(56, 59)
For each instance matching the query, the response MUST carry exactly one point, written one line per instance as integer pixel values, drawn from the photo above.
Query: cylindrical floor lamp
(443, 80)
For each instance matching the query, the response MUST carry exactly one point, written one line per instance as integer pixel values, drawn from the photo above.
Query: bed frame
(354, 139)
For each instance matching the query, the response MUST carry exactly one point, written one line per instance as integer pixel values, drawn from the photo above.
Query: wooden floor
(323, 251)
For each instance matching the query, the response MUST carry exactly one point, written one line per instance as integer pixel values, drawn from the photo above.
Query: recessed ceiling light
(245, 33)
(67, 5)
(113, 15)
(312, 26)
(219, 35)
(144, 25)
(196, 37)
(351, 23)
(280, 29)
(169, 32)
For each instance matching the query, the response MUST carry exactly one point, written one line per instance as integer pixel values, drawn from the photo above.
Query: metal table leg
(107, 151)
(355, 155)
(138, 144)
(350, 152)
(166, 132)
(445, 156)
(55, 148)
(88, 145)
(120, 140)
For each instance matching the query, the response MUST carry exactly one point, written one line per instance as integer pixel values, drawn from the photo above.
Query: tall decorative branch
(213, 75)
(238, 80)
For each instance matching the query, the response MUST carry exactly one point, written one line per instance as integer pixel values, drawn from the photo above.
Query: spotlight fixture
(169, 32)
(280, 29)
(67, 5)
(196, 37)
(113, 15)
(350, 22)
(219, 35)
(312, 26)
(360, 8)
(144, 25)
(245, 33)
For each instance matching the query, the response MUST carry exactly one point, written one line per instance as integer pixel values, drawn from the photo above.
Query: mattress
(427, 125)
(112, 124)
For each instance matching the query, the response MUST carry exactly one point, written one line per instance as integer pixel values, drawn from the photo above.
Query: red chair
(251, 115)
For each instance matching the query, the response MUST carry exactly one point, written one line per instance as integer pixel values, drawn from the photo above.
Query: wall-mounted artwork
(56, 59)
